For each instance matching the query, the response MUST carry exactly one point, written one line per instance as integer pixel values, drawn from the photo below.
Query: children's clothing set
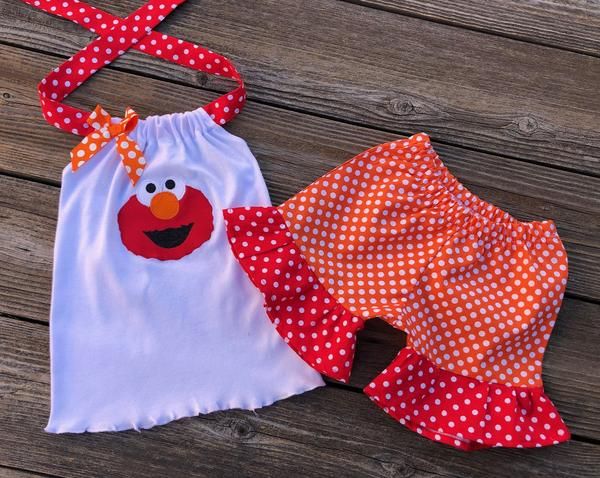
(392, 234)
(178, 289)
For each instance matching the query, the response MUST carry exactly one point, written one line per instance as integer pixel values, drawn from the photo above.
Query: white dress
(150, 323)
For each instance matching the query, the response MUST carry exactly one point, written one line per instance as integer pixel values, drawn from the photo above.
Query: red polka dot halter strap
(116, 36)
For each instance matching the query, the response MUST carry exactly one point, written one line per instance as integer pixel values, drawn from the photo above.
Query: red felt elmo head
(165, 219)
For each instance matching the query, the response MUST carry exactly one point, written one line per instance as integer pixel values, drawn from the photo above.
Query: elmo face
(165, 220)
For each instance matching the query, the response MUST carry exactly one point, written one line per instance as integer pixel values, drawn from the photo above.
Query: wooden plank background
(507, 90)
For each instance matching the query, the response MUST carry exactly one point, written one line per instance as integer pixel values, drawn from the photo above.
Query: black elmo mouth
(171, 237)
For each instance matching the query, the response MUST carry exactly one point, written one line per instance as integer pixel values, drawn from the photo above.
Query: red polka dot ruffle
(310, 320)
(464, 412)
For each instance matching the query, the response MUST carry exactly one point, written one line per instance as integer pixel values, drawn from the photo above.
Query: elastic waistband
(418, 158)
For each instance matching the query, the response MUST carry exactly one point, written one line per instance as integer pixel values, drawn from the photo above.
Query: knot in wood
(402, 106)
(527, 125)
(241, 429)
(201, 78)
(399, 470)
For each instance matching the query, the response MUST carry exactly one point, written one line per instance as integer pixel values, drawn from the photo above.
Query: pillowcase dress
(152, 318)
(392, 234)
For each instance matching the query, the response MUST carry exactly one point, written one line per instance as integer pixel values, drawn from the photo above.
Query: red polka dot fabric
(319, 329)
(464, 412)
(116, 36)
(392, 234)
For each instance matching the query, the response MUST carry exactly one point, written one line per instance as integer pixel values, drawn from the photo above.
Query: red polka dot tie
(116, 36)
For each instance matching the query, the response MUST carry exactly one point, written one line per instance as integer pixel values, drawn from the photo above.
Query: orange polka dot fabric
(392, 234)
(104, 131)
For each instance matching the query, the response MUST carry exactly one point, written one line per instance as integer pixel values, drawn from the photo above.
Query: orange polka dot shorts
(392, 234)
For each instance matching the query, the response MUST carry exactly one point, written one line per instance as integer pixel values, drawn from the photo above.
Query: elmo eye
(170, 184)
(148, 190)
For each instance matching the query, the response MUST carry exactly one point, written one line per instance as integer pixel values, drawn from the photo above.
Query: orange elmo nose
(164, 205)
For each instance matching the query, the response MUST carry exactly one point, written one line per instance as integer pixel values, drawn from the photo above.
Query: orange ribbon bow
(105, 130)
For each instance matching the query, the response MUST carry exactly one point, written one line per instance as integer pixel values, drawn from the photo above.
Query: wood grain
(379, 69)
(27, 223)
(15, 473)
(573, 25)
(293, 149)
(516, 122)
(329, 431)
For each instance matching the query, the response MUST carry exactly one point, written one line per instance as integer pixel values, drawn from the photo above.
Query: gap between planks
(541, 113)
(57, 184)
(314, 114)
(294, 145)
(13, 472)
(415, 9)
(347, 428)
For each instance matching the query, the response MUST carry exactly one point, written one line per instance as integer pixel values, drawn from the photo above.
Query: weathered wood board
(509, 93)
(326, 432)
(573, 25)
(294, 148)
(375, 68)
